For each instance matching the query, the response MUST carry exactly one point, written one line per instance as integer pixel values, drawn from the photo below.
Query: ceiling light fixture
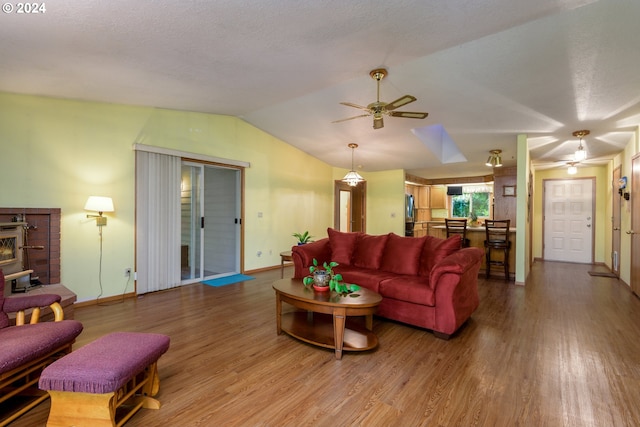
(495, 159)
(572, 168)
(581, 153)
(353, 177)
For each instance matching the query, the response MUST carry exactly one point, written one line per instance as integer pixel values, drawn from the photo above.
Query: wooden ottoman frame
(114, 407)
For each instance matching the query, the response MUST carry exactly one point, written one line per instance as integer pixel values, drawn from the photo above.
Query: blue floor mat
(227, 280)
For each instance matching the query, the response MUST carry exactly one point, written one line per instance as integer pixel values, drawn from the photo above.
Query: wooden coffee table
(325, 323)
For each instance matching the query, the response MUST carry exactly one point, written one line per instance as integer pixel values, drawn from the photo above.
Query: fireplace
(37, 245)
(10, 241)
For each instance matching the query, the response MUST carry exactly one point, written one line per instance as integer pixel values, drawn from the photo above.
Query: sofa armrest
(455, 283)
(458, 263)
(303, 256)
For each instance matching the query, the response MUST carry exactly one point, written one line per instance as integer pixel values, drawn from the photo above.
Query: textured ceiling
(485, 71)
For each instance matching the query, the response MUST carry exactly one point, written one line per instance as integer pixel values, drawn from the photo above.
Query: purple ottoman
(114, 371)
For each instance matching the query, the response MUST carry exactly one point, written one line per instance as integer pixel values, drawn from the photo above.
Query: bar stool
(458, 227)
(497, 238)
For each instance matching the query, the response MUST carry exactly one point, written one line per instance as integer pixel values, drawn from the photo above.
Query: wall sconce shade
(99, 204)
(495, 159)
(352, 178)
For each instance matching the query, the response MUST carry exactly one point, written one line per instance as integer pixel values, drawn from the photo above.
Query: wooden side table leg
(339, 318)
(369, 322)
(278, 314)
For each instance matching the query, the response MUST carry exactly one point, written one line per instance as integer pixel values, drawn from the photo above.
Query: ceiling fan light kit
(572, 170)
(379, 109)
(495, 159)
(581, 153)
(352, 178)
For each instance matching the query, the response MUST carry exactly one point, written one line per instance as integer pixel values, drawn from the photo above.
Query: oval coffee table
(324, 323)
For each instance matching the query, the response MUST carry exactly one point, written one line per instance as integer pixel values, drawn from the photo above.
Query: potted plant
(474, 218)
(323, 279)
(303, 238)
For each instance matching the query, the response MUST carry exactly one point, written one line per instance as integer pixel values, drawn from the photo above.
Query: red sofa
(427, 282)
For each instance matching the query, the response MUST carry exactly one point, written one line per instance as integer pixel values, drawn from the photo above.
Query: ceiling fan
(379, 109)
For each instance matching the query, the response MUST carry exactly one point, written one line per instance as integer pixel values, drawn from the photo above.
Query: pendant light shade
(353, 178)
(581, 153)
(572, 170)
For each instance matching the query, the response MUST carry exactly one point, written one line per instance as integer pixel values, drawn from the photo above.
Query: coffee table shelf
(317, 329)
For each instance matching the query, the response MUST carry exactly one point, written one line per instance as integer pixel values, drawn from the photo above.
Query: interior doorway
(568, 220)
(350, 207)
(210, 221)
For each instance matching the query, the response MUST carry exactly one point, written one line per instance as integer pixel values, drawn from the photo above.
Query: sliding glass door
(210, 222)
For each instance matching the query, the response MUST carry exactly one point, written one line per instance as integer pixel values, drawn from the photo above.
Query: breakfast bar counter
(476, 236)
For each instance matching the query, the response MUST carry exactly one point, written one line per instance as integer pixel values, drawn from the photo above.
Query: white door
(568, 220)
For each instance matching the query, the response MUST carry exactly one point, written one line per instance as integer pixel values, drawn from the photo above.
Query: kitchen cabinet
(438, 197)
(423, 197)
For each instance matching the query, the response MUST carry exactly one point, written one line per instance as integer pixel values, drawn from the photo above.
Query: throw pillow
(369, 250)
(342, 245)
(435, 250)
(402, 254)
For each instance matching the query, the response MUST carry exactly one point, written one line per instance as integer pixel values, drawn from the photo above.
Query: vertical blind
(157, 221)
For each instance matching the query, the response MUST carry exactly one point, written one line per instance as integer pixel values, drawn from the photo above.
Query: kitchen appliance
(409, 221)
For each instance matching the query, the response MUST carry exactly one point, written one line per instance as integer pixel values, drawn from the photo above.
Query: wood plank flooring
(562, 351)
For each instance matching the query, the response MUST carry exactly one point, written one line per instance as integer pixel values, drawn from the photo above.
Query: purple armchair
(25, 350)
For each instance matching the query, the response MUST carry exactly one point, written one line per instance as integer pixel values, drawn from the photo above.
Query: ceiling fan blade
(360, 107)
(404, 100)
(351, 118)
(408, 114)
(378, 123)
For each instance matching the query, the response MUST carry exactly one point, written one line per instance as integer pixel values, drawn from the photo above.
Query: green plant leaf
(338, 277)
(333, 264)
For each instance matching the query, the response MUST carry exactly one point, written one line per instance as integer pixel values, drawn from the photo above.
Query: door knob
(616, 228)
(588, 225)
(631, 232)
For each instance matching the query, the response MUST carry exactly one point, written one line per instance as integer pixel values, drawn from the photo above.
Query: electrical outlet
(127, 272)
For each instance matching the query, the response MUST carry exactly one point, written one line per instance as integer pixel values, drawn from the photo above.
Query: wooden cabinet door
(438, 197)
(423, 197)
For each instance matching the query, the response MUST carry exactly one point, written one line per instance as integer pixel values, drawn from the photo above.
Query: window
(474, 200)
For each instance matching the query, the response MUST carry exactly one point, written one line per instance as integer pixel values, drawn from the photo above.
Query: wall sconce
(495, 159)
(99, 204)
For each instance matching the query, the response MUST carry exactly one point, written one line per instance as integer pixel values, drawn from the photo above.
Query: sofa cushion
(342, 245)
(402, 254)
(368, 251)
(22, 344)
(435, 250)
(413, 289)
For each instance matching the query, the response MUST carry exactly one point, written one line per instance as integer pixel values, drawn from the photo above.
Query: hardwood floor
(562, 351)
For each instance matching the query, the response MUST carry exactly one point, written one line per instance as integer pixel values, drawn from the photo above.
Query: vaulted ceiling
(485, 71)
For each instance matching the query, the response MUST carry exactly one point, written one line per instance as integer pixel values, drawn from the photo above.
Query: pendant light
(581, 153)
(572, 170)
(353, 177)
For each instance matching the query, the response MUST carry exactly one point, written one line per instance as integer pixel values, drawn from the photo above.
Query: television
(454, 191)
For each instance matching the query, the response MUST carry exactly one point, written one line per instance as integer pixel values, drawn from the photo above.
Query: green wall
(56, 153)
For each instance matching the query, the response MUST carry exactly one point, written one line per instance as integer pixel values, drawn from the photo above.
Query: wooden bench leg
(81, 409)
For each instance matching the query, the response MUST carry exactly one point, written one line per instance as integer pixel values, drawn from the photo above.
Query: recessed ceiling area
(438, 141)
